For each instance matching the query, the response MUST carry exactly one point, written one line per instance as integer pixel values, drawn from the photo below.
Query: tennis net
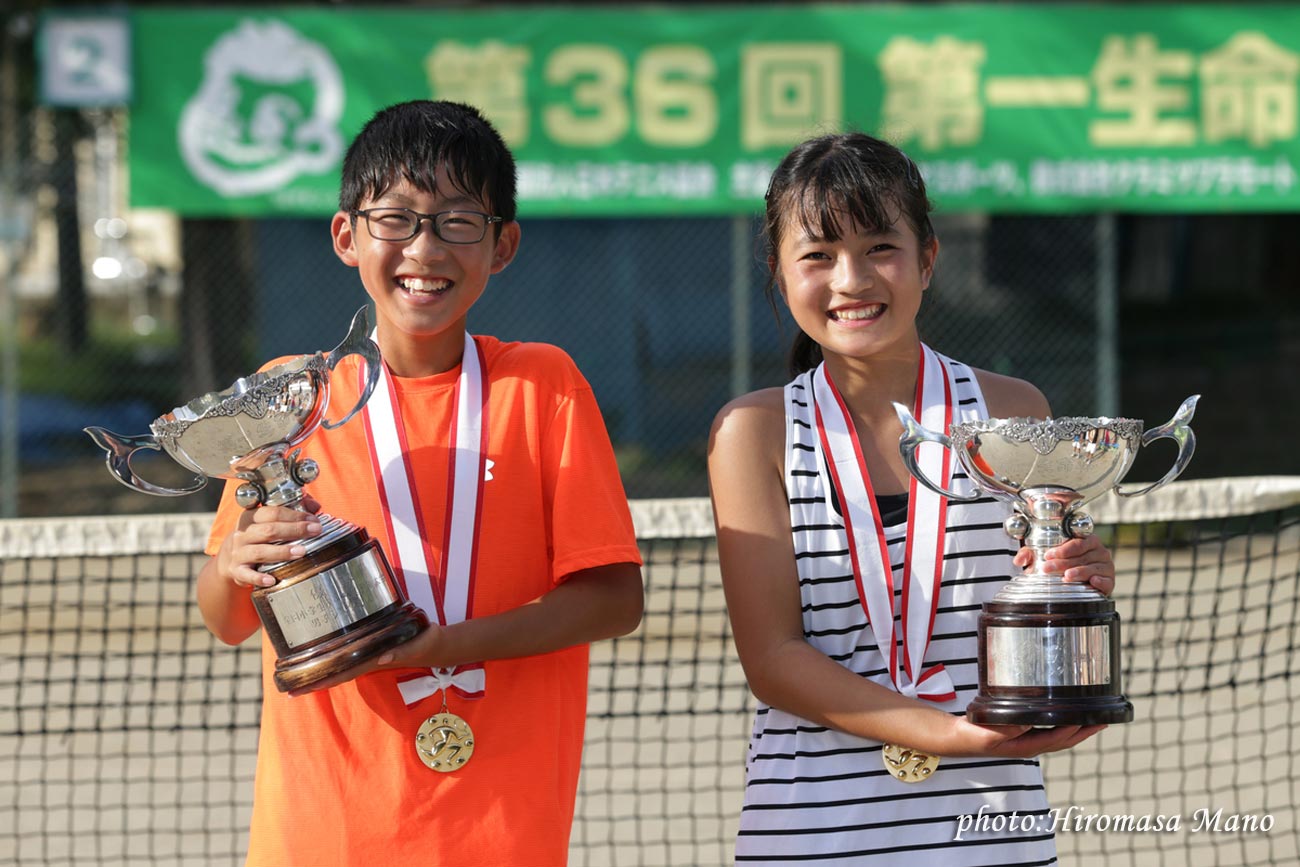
(128, 736)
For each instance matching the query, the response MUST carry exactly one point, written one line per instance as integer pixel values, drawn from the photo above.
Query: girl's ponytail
(804, 355)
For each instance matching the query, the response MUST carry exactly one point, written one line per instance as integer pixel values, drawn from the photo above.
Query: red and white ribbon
(926, 522)
(445, 589)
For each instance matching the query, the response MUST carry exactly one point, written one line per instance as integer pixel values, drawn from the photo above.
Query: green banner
(685, 110)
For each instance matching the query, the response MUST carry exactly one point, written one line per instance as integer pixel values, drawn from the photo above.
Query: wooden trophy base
(333, 609)
(1049, 664)
(369, 639)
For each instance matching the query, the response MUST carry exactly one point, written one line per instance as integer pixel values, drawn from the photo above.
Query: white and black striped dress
(818, 796)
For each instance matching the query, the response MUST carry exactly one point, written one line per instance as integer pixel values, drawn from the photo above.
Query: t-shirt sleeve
(590, 522)
(227, 517)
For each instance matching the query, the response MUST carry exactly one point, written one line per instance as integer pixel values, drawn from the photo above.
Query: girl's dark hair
(408, 141)
(851, 175)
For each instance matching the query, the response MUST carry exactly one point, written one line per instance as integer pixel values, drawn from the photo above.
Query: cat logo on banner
(263, 69)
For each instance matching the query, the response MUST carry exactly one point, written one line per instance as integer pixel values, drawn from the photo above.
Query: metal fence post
(1107, 308)
(741, 339)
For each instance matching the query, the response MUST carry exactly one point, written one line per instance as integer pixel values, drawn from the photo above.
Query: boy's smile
(423, 286)
(419, 286)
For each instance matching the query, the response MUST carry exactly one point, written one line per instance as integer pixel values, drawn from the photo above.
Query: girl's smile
(855, 315)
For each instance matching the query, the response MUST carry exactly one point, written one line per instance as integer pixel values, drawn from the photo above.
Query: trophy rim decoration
(214, 402)
(238, 399)
(219, 403)
(1023, 428)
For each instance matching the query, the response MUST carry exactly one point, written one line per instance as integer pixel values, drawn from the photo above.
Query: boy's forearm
(226, 607)
(589, 605)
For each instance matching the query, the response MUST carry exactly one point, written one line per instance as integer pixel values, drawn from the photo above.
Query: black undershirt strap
(892, 508)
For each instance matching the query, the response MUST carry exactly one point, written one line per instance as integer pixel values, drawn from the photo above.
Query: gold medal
(444, 742)
(907, 764)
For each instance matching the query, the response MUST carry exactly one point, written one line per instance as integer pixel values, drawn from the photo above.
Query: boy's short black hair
(409, 140)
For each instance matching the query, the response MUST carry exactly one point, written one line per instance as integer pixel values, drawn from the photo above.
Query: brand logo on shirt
(488, 464)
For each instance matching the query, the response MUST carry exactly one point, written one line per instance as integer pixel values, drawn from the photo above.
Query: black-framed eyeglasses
(402, 224)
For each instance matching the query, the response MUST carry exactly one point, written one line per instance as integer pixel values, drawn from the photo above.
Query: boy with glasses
(462, 745)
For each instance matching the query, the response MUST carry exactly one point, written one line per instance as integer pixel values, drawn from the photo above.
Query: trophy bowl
(338, 604)
(1049, 651)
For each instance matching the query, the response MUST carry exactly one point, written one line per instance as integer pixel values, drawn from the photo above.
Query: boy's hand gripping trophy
(338, 604)
(1048, 650)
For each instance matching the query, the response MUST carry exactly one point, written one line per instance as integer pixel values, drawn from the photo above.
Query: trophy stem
(1046, 587)
(272, 479)
(1045, 517)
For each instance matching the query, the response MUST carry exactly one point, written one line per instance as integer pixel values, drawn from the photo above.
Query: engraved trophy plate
(331, 600)
(336, 606)
(1049, 650)
(1050, 656)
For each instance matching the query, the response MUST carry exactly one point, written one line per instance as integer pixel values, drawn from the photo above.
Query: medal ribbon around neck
(926, 522)
(445, 590)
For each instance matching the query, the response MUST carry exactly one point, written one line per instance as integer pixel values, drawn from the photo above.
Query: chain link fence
(114, 316)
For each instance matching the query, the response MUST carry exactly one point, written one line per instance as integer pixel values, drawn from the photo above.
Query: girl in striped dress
(854, 594)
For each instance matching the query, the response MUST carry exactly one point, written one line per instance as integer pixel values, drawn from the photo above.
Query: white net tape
(683, 518)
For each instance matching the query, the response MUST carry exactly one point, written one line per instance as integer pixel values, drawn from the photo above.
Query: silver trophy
(1048, 650)
(338, 604)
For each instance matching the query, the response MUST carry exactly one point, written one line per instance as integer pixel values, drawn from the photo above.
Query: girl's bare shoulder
(753, 422)
(762, 407)
(1008, 397)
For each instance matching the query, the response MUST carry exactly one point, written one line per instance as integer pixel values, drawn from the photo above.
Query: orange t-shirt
(338, 779)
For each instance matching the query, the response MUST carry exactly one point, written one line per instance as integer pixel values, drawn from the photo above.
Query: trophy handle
(119, 450)
(913, 435)
(357, 342)
(1175, 429)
